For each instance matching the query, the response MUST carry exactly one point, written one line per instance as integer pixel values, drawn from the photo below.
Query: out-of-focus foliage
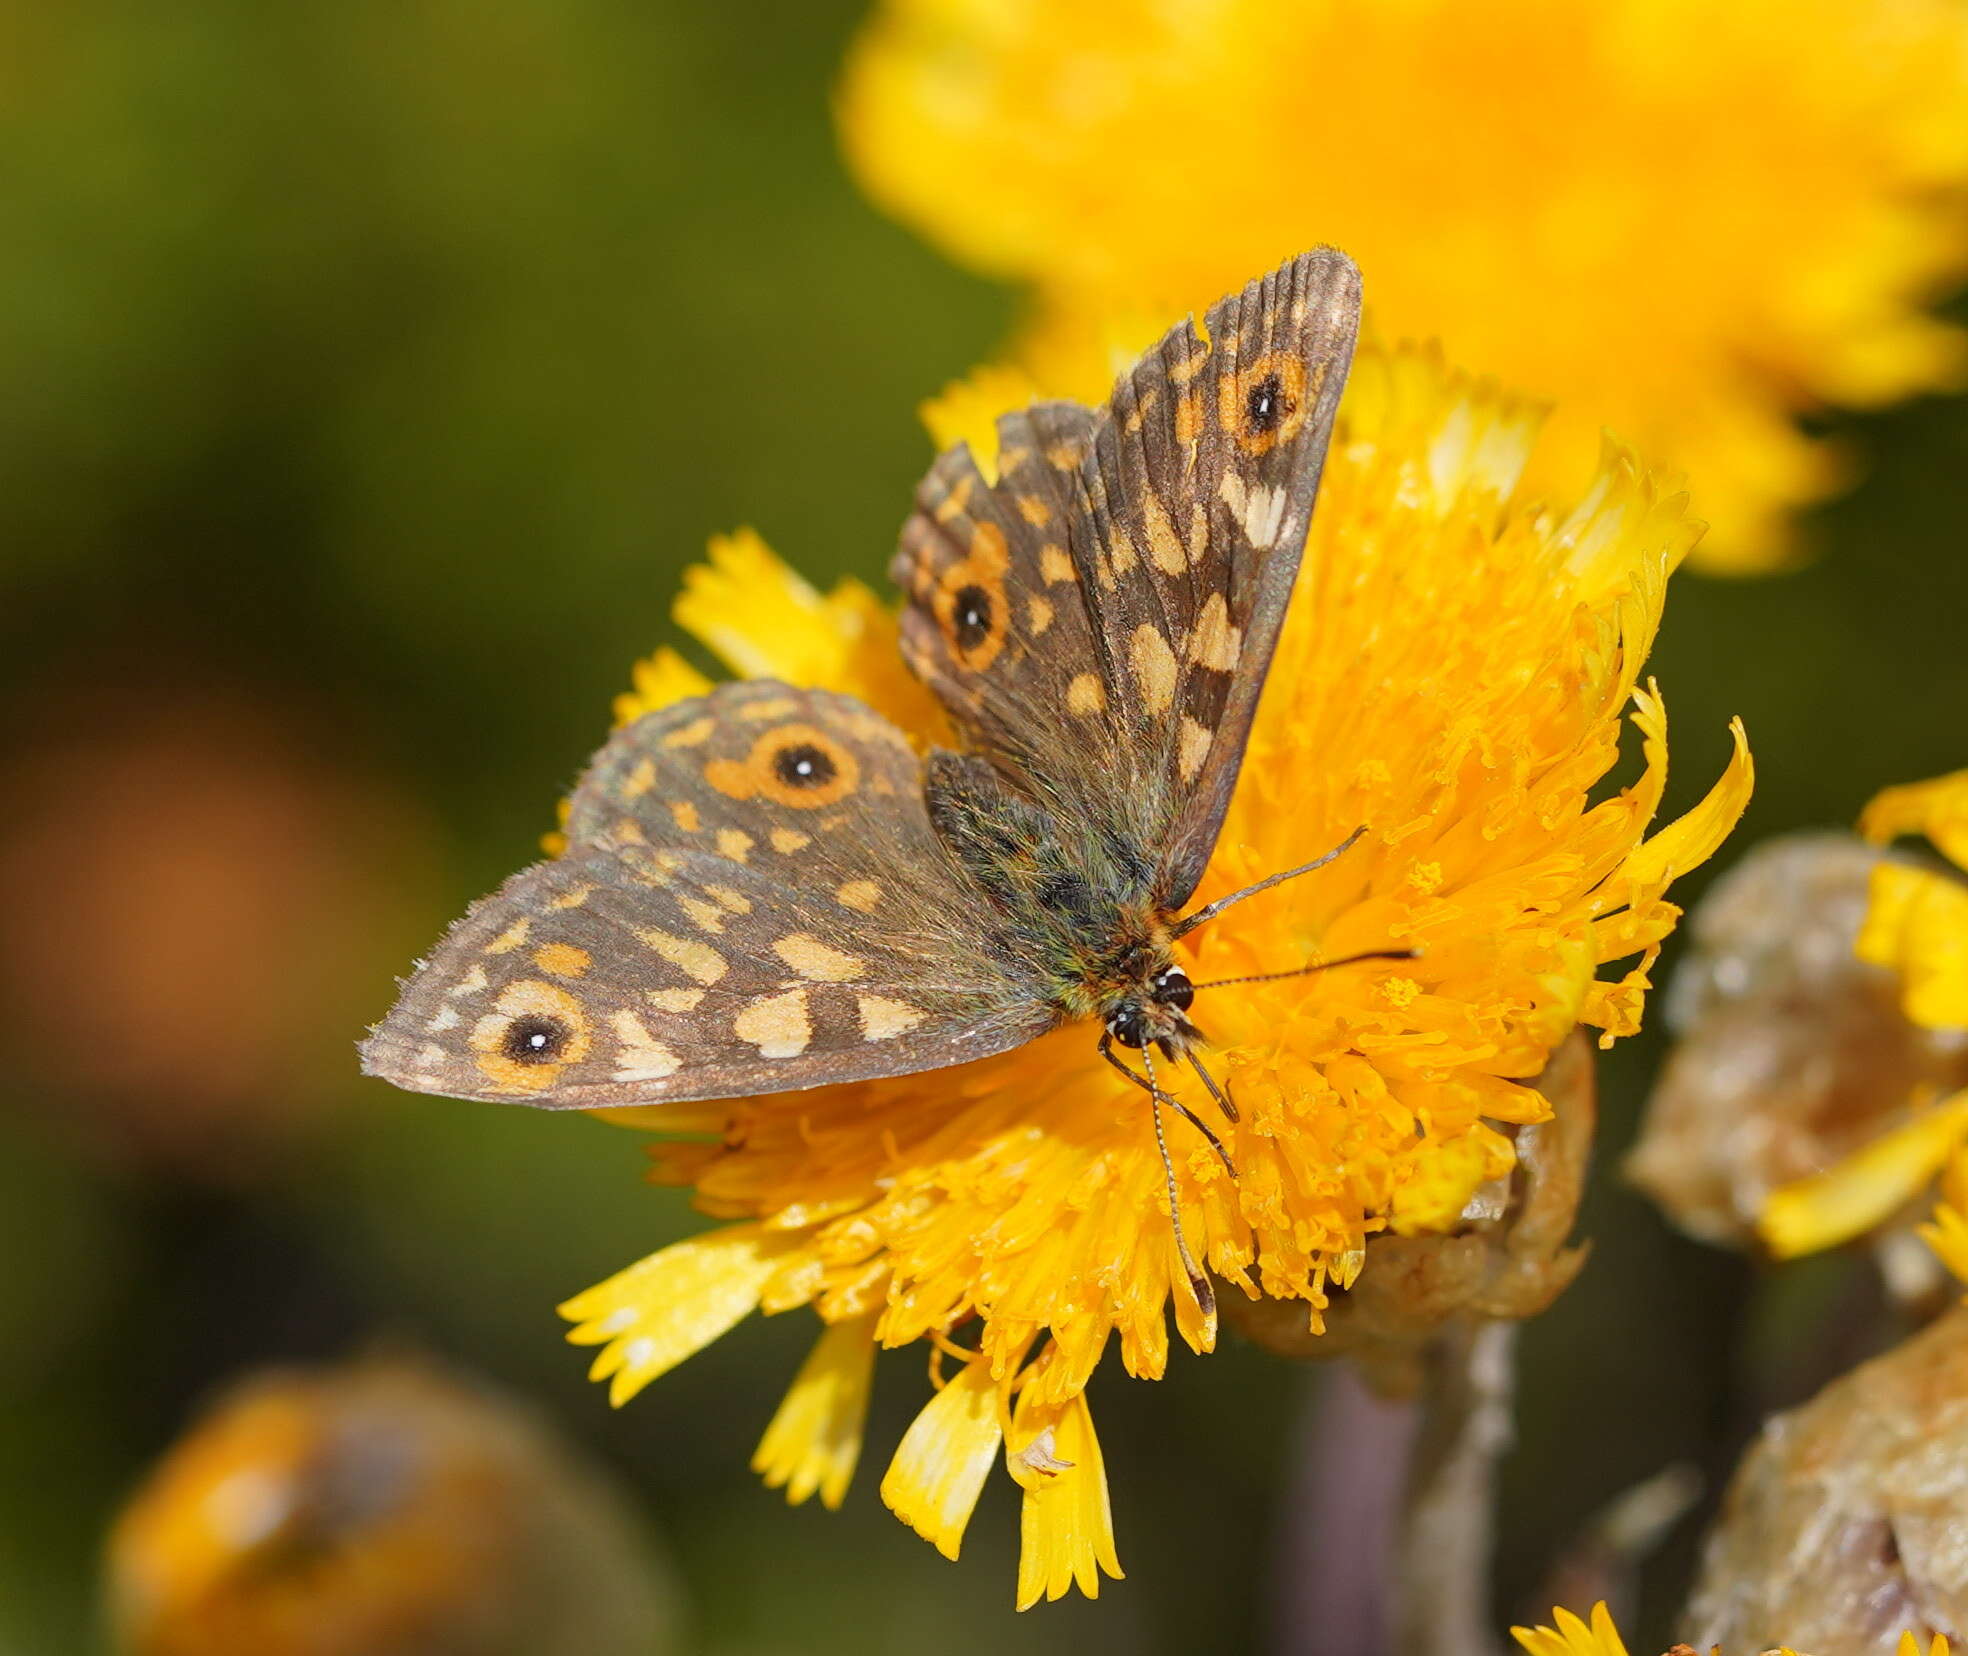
(372, 370)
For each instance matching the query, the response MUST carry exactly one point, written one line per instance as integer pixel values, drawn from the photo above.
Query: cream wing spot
(859, 894)
(511, 937)
(1054, 565)
(734, 843)
(695, 960)
(675, 1000)
(1038, 615)
(1154, 668)
(446, 1019)
(1264, 517)
(572, 899)
(1192, 750)
(1164, 544)
(776, 1024)
(641, 778)
(788, 840)
(1215, 643)
(1086, 695)
(706, 916)
(725, 897)
(562, 959)
(471, 982)
(643, 1057)
(817, 961)
(883, 1018)
(684, 814)
(692, 734)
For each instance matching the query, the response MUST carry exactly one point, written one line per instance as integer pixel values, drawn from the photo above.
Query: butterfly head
(1155, 1009)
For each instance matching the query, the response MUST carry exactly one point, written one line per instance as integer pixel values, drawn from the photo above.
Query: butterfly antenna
(1306, 971)
(1199, 1283)
(1203, 916)
(1220, 1094)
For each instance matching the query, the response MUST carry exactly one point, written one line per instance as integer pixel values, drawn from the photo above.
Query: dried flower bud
(1842, 1528)
(379, 1509)
(1507, 1259)
(1793, 1053)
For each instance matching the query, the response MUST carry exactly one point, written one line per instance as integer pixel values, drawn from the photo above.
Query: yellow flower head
(1684, 220)
(1572, 1637)
(1454, 675)
(1916, 925)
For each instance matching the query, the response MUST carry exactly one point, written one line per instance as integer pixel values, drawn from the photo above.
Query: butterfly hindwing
(752, 900)
(1101, 617)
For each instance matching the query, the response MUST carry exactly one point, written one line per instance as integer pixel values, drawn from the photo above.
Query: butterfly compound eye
(1173, 988)
(1128, 1026)
(536, 1039)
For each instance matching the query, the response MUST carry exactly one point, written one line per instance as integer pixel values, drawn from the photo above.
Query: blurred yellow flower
(1918, 922)
(380, 1508)
(1947, 1232)
(1012, 1212)
(1917, 926)
(1684, 221)
(1573, 1637)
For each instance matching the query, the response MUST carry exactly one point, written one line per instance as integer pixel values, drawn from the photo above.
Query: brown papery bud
(1792, 1051)
(1507, 1259)
(383, 1508)
(1844, 1525)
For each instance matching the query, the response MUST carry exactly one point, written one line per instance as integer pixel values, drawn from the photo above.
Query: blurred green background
(371, 372)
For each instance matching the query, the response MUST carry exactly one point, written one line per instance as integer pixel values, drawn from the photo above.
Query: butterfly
(766, 888)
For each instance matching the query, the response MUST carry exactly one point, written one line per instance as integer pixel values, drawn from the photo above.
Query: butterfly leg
(1175, 1104)
(1199, 1282)
(1220, 1094)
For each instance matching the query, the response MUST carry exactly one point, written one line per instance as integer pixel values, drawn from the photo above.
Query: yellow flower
(379, 1506)
(1573, 1637)
(1012, 1212)
(1947, 1232)
(1917, 926)
(1918, 921)
(1681, 220)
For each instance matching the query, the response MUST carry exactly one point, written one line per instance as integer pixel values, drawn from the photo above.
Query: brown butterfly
(765, 888)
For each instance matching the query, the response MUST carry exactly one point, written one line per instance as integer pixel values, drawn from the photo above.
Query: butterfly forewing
(1100, 619)
(753, 900)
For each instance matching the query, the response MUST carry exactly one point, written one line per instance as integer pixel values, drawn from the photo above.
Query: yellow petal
(1910, 1646)
(1573, 1637)
(664, 679)
(1936, 808)
(967, 410)
(1866, 1188)
(1917, 924)
(815, 1438)
(1691, 840)
(671, 1305)
(939, 1468)
(1066, 1526)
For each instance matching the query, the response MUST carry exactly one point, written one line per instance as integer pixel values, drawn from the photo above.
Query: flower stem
(1441, 1569)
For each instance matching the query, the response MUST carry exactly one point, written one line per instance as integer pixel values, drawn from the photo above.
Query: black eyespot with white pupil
(971, 617)
(1264, 405)
(536, 1039)
(1173, 988)
(802, 765)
